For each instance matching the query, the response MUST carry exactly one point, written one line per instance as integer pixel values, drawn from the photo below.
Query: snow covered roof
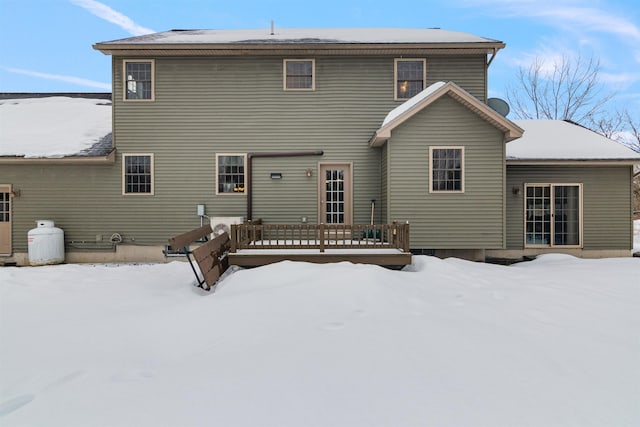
(411, 103)
(306, 36)
(430, 94)
(55, 127)
(562, 140)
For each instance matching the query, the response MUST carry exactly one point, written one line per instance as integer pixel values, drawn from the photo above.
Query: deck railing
(319, 236)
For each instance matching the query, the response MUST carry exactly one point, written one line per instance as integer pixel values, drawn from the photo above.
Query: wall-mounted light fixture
(276, 175)
(515, 190)
(309, 173)
(15, 193)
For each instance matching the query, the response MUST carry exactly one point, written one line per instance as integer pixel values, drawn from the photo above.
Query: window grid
(409, 78)
(538, 213)
(231, 174)
(4, 207)
(446, 169)
(138, 80)
(552, 215)
(138, 174)
(299, 74)
(335, 203)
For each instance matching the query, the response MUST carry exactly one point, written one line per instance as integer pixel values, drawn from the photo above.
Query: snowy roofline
(412, 102)
(25, 95)
(87, 131)
(547, 140)
(305, 36)
(54, 127)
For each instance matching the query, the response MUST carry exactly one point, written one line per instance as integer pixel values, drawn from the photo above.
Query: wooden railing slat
(321, 236)
(182, 240)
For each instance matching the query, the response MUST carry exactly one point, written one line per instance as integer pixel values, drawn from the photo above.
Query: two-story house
(326, 126)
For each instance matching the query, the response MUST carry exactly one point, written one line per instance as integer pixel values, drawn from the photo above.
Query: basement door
(335, 193)
(5, 219)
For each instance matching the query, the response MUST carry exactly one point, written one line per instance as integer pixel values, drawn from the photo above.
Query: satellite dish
(500, 105)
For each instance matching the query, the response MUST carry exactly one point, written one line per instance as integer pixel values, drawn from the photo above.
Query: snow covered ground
(443, 343)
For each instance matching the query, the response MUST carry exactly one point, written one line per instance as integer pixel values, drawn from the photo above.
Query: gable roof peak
(413, 102)
(430, 94)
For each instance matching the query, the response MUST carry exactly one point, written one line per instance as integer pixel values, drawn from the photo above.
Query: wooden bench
(211, 256)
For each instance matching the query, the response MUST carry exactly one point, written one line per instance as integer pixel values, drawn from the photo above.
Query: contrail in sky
(68, 79)
(103, 11)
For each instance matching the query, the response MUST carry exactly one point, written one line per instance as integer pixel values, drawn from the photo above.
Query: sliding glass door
(553, 215)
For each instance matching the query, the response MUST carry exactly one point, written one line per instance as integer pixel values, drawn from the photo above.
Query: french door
(553, 215)
(334, 193)
(5, 219)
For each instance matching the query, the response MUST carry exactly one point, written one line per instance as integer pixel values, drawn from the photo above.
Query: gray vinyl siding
(606, 202)
(384, 186)
(205, 106)
(471, 70)
(237, 105)
(209, 105)
(469, 220)
(86, 201)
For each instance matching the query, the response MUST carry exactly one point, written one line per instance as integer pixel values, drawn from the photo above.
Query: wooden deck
(255, 244)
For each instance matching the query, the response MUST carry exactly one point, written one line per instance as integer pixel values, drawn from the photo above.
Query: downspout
(486, 75)
(250, 157)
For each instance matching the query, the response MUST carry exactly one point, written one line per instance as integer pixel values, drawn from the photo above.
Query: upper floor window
(447, 169)
(230, 177)
(410, 77)
(299, 74)
(138, 76)
(137, 171)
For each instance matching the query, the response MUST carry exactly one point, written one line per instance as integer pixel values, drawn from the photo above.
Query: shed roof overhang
(572, 162)
(409, 108)
(109, 158)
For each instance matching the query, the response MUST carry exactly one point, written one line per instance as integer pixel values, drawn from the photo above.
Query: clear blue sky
(45, 45)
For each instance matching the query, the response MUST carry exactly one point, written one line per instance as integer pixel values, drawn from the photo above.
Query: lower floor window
(138, 173)
(553, 215)
(231, 173)
(447, 169)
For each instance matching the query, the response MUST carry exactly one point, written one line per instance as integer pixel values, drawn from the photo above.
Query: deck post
(321, 237)
(234, 238)
(394, 234)
(405, 238)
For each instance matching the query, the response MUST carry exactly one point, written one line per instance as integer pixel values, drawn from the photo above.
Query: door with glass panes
(553, 215)
(335, 193)
(5, 219)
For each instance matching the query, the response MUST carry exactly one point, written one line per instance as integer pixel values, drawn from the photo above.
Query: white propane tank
(46, 244)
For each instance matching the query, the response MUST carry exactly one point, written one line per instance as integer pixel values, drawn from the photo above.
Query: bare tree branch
(634, 126)
(571, 90)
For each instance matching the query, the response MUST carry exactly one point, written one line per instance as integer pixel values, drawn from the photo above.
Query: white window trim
(395, 75)
(551, 185)
(463, 169)
(153, 80)
(246, 186)
(349, 188)
(313, 75)
(124, 174)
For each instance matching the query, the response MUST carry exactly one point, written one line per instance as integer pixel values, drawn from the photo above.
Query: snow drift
(444, 342)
